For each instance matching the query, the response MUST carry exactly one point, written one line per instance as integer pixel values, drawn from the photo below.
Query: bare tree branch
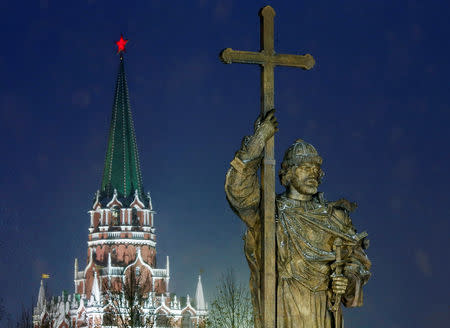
(126, 300)
(232, 307)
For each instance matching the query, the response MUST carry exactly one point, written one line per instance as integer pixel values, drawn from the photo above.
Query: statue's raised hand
(264, 129)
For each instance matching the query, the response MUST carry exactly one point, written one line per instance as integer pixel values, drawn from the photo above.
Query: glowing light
(121, 44)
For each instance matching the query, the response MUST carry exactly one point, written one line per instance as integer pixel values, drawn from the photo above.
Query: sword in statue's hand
(336, 308)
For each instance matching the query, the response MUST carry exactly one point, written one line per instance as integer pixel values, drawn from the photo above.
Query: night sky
(376, 107)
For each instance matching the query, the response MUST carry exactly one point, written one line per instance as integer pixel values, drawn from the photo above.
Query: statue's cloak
(305, 233)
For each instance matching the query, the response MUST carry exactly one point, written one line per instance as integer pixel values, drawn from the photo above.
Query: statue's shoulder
(320, 198)
(280, 204)
(283, 202)
(341, 209)
(342, 205)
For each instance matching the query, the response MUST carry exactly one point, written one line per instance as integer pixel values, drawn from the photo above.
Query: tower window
(134, 217)
(186, 321)
(115, 215)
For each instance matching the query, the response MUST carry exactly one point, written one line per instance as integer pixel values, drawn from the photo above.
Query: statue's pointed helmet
(299, 152)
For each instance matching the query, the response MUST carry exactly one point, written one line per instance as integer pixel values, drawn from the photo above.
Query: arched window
(163, 321)
(134, 217)
(186, 321)
(115, 213)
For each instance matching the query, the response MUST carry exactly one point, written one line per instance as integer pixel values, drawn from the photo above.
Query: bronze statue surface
(320, 259)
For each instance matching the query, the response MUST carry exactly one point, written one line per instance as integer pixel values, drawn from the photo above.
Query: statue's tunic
(305, 232)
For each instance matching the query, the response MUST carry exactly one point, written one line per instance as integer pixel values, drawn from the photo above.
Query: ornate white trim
(139, 258)
(150, 205)
(144, 242)
(137, 200)
(89, 264)
(114, 199)
(91, 212)
(167, 266)
(188, 308)
(97, 202)
(122, 215)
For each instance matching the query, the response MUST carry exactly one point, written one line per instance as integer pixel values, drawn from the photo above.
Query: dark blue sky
(376, 106)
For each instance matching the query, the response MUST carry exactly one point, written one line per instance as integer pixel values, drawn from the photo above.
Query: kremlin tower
(121, 285)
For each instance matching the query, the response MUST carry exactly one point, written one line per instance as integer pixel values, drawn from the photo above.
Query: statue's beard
(306, 187)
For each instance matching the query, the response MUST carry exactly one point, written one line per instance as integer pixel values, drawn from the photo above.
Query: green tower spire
(122, 171)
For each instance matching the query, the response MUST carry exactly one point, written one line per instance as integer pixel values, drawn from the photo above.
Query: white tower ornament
(95, 293)
(41, 297)
(150, 205)
(199, 298)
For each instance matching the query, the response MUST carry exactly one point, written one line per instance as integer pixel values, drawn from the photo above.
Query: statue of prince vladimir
(313, 278)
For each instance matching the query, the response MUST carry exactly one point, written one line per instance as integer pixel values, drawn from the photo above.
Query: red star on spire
(121, 44)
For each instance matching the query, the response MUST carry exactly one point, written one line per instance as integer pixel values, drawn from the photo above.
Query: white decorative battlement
(159, 273)
(114, 200)
(137, 201)
(112, 271)
(68, 309)
(142, 242)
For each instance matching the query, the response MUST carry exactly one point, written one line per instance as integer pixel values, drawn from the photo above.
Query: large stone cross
(268, 59)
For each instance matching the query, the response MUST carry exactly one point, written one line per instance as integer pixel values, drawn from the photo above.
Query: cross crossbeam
(229, 56)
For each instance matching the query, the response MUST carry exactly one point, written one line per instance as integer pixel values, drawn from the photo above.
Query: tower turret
(95, 294)
(40, 306)
(199, 298)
